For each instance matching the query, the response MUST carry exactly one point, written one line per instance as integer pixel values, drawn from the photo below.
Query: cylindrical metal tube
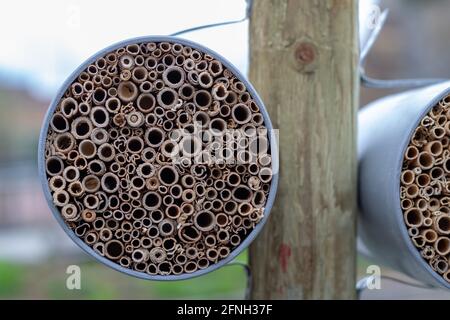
(113, 110)
(385, 130)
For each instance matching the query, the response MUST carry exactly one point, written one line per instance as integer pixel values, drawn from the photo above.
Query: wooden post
(304, 57)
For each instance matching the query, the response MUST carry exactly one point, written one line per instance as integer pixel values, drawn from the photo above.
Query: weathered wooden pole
(304, 58)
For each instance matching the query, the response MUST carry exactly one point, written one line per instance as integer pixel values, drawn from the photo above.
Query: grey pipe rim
(273, 149)
(433, 93)
(404, 231)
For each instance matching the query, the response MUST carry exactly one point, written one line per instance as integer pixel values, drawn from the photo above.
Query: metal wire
(363, 283)
(370, 82)
(218, 24)
(248, 274)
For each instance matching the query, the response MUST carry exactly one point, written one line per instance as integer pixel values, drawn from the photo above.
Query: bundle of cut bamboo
(425, 188)
(158, 158)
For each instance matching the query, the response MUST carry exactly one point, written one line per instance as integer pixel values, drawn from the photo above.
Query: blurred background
(44, 41)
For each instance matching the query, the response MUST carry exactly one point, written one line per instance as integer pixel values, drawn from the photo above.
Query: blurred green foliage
(48, 281)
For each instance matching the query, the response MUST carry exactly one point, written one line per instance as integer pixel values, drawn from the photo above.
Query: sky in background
(44, 41)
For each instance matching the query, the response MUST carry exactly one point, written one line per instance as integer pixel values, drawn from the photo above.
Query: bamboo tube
(127, 91)
(91, 201)
(105, 234)
(72, 155)
(167, 98)
(413, 231)
(168, 175)
(423, 180)
(224, 252)
(99, 116)
(77, 89)
(81, 128)
(59, 123)
(203, 263)
(106, 152)
(140, 255)
(202, 99)
(407, 177)
(433, 204)
(87, 149)
(174, 76)
(91, 237)
(167, 227)
(441, 266)
(429, 235)
(441, 224)
(114, 249)
(81, 230)
(244, 209)
(201, 119)
(413, 217)
(201, 66)
(75, 189)
(154, 137)
(71, 174)
(412, 191)
(110, 182)
(242, 193)
(188, 233)
(442, 246)
(427, 222)
(97, 167)
(204, 221)
(54, 166)
(436, 173)
(91, 183)
(434, 148)
(190, 267)
(151, 200)
(70, 212)
(265, 174)
(135, 144)
(411, 153)
(418, 241)
(153, 232)
(57, 183)
(235, 240)
(69, 107)
(99, 247)
(157, 255)
(421, 204)
(205, 80)
(437, 132)
(191, 252)
(99, 136)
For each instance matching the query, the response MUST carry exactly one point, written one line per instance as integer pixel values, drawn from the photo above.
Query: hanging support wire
(248, 275)
(370, 82)
(248, 11)
(363, 284)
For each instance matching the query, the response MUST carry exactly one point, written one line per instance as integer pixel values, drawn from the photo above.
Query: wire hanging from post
(363, 283)
(370, 82)
(218, 24)
(248, 274)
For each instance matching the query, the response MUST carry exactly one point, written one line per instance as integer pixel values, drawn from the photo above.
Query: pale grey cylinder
(385, 129)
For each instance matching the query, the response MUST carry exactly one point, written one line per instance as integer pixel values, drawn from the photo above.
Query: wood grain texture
(304, 58)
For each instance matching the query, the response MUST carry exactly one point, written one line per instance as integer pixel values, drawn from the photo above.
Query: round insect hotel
(404, 182)
(158, 158)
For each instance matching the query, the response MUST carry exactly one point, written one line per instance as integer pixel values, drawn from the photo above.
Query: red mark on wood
(283, 256)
